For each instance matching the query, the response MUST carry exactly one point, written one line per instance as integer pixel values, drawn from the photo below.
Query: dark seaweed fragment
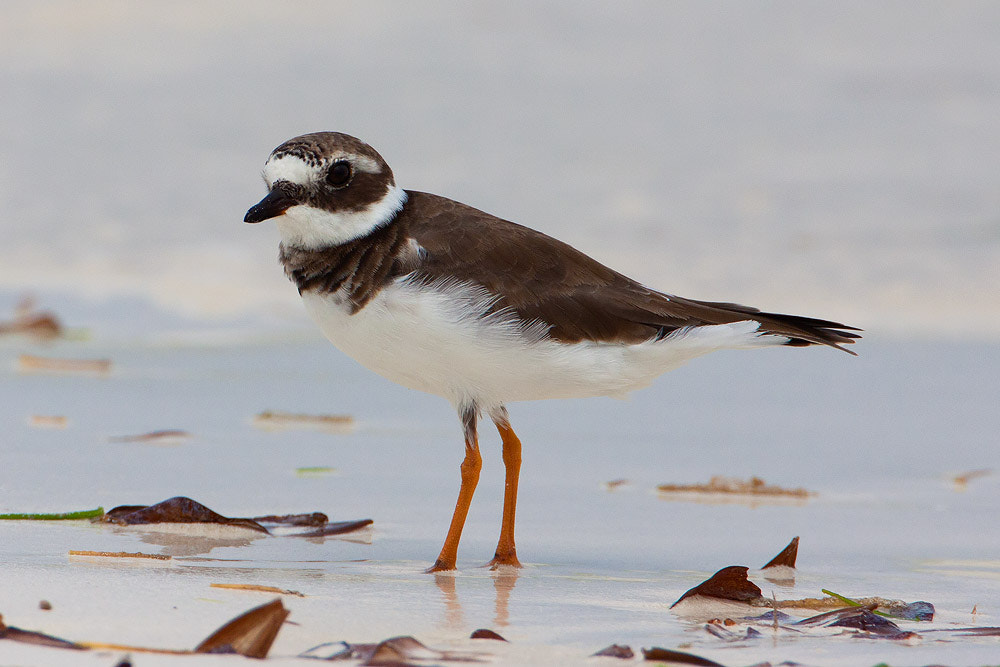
(860, 618)
(250, 634)
(787, 556)
(38, 638)
(677, 657)
(615, 651)
(175, 510)
(336, 528)
(310, 519)
(729, 583)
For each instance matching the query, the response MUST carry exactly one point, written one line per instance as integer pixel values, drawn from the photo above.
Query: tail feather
(799, 330)
(802, 331)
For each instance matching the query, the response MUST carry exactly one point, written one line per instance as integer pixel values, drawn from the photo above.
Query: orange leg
(506, 553)
(471, 466)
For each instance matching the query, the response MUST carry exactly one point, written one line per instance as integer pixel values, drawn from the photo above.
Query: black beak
(274, 204)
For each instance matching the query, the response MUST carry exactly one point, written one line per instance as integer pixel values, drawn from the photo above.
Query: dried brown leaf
(38, 324)
(615, 651)
(336, 528)
(175, 510)
(677, 657)
(310, 519)
(787, 556)
(729, 583)
(250, 634)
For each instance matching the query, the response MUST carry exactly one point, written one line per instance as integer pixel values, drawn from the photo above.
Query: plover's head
(325, 189)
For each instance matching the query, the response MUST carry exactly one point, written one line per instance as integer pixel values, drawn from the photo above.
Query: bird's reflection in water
(503, 582)
(454, 616)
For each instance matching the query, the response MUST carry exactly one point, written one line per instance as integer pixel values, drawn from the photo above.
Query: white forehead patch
(294, 169)
(288, 168)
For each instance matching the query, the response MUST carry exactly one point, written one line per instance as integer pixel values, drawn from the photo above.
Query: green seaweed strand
(854, 603)
(63, 516)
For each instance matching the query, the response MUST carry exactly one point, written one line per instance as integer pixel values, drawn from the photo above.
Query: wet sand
(877, 439)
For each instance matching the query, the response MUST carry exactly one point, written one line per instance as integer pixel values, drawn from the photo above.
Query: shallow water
(876, 437)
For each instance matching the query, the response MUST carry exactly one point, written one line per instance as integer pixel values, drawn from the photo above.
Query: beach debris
(310, 519)
(257, 589)
(250, 634)
(182, 510)
(889, 608)
(29, 363)
(755, 487)
(270, 420)
(781, 569)
(336, 528)
(314, 471)
(174, 510)
(616, 484)
(773, 617)
(59, 516)
(118, 554)
(48, 421)
(169, 436)
(329, 651)
(484, 633)
(31, 322)
(721, 628)
(961, 482)
(729, 583)
(971, 632)
(671, 657)
(38, 638)
(45, 605)
(392, 651)
(787, 556)
(908, 611)
(615, 651)
(860, 618)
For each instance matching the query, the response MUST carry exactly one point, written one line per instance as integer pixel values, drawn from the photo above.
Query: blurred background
(837, 159)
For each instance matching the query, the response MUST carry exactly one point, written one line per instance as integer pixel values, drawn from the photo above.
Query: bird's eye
(339, 173)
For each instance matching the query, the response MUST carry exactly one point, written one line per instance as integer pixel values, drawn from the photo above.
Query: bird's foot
(507, 559)
(440, 566)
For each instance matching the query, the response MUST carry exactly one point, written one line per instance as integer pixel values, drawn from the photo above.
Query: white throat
(307, 227)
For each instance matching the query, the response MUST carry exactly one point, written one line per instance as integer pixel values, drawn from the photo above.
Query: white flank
(437, 339)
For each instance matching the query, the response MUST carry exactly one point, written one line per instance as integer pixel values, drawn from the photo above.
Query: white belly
(438, 340)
